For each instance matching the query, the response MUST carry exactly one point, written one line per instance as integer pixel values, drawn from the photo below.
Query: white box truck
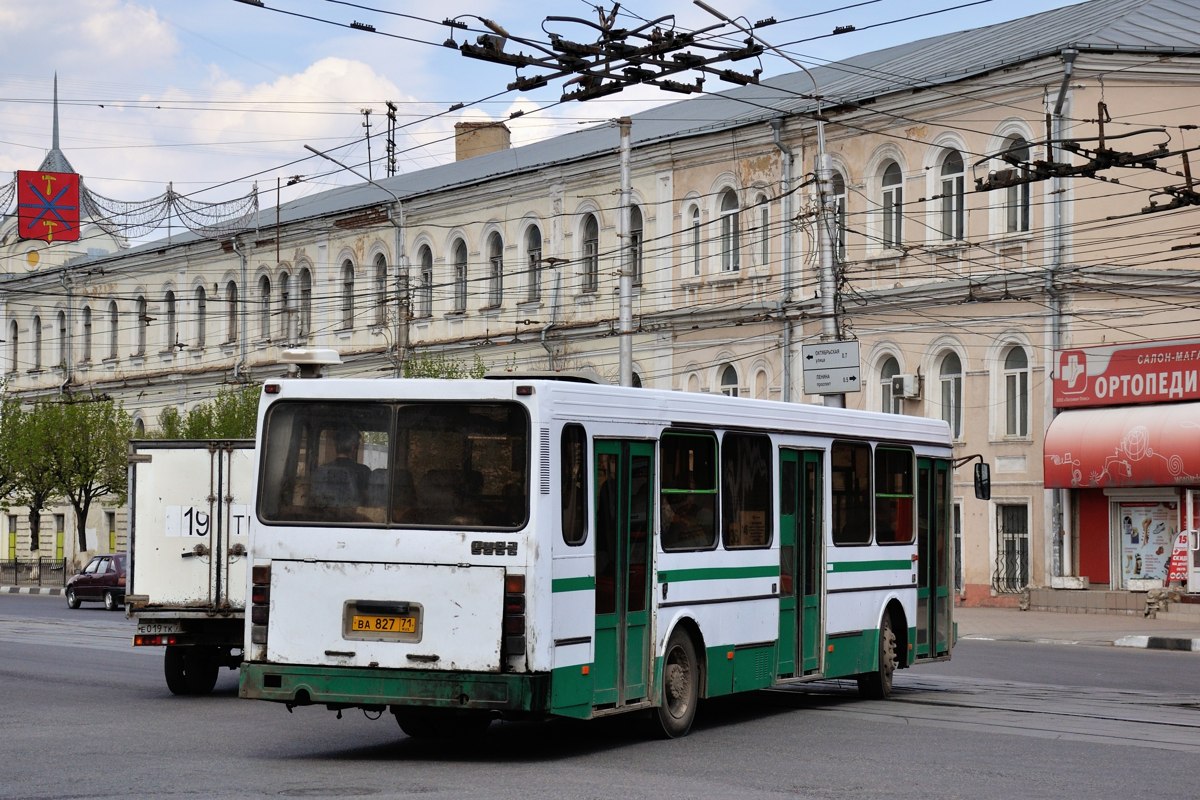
(189, 523)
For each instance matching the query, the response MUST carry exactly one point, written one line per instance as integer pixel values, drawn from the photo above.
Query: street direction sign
(831, 368)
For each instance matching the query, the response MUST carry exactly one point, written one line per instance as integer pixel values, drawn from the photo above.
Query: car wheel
(110, 600)
(72, 600)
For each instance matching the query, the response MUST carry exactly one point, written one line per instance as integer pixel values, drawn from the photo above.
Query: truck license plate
(159, 627)
(382, 623)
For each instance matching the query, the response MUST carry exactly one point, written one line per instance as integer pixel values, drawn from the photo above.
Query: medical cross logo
(48, 206)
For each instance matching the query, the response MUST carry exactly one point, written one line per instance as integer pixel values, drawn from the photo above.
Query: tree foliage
(29, 434)
(88, 455)
(232, 414)
(439, 366)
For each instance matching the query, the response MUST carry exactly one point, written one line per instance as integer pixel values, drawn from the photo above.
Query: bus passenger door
(801, 561)
(933, 563)
(624, 484)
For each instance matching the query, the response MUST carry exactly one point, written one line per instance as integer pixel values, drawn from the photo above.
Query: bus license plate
(381, 623)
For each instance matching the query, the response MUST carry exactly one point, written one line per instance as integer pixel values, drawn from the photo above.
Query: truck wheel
(190, 670)
(173, 670)
(202, 669)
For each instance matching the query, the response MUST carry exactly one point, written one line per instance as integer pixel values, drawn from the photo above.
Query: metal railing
(42, 571)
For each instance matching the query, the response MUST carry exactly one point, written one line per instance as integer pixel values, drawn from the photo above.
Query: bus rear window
(428, 465)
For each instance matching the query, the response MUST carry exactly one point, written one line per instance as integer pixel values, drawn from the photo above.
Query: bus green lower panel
(352, 686)
(739, 668)
(571, 692)
(851, 653)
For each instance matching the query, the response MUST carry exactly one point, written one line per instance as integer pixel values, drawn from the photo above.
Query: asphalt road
(86, 715)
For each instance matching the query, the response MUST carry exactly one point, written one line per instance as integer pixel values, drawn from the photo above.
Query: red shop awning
(1156, 445)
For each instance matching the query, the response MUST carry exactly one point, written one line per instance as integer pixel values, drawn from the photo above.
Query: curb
(48, 590)
(1160, 643)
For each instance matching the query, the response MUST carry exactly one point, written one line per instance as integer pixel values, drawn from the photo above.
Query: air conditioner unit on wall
(906, 386)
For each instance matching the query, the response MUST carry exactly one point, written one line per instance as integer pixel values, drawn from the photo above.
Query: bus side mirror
(983, 481)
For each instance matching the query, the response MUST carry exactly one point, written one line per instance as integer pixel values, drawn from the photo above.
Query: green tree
(88, 454)
(10, 411)
(232, 414)
(438, 366)
(29, 435)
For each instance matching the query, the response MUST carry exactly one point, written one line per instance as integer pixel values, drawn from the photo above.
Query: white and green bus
(459, 551)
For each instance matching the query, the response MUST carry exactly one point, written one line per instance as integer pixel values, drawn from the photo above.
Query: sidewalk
(31, 590)
(1054, 627)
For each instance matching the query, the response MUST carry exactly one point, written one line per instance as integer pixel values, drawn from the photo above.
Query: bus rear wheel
(877, 685)
(680, 687)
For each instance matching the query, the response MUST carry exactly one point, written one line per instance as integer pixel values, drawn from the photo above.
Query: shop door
(933, 563)
(624, 483)
(801, 561)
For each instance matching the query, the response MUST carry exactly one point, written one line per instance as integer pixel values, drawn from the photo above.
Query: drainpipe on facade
(554, 262)
(1060, 512)
(239, 369)
(786, 267)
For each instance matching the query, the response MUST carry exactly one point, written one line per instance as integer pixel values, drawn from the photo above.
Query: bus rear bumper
(353, 687)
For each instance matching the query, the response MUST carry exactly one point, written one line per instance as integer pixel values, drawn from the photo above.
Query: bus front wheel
(878, 685)
(680, 687)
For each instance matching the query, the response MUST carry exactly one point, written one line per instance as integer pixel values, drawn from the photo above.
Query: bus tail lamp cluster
(514, 616)
(260, 602)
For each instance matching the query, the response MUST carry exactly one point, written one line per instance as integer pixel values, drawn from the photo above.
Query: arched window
(13, 346)
(837, 203)
(347, 295)
(142, 323)
(761, 388)
(951, 380)
(889, 370)
(231, 312)
(729, 381)
(1016, 196)
(85, 354)
(304, 309)
(381, 290)
(696, 239)
(636, 238)
(591, 253)
(460, 276)
(201, 317)
(892, 203)
(264, 307)
(763, 250)
(37, 342)
(731, 234)
(139, 428)
(495, 251)
(64, 343)
(425, 282)
(114, 328)
(172, 331)
(1016, 392)
(533, 262)
(287, 312)
(953, 179)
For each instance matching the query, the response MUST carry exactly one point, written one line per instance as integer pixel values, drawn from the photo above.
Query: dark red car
(102, 579)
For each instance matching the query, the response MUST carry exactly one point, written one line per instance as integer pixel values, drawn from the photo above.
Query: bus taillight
(260, 602)
(514, 615)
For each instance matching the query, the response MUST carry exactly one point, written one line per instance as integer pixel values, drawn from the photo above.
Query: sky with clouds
(212, 96)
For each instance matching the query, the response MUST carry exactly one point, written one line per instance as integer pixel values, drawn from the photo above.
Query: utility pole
(390, 144)
(402, 298)
(366, 112)
(830, 325)
(627, 266)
